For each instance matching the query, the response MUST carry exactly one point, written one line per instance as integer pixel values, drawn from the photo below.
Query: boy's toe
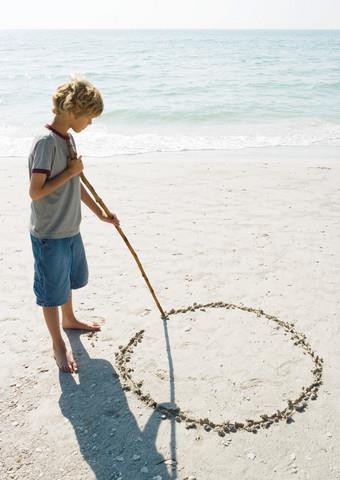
(67, 368)
(72, 364)
(65, 362)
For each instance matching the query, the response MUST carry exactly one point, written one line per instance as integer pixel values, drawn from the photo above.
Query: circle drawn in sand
(298, 404)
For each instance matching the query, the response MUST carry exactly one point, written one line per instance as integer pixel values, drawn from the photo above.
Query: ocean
(176, 90)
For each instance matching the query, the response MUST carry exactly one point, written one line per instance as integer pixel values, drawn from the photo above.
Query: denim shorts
(59, 266)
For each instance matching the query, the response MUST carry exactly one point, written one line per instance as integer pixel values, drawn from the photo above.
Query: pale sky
(295, 14)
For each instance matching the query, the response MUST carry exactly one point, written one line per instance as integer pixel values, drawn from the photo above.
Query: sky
(229, 14)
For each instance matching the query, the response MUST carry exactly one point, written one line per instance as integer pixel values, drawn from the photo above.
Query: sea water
(175, 90)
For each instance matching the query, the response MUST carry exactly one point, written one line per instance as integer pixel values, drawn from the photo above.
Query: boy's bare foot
(64, 359)
(77, 325)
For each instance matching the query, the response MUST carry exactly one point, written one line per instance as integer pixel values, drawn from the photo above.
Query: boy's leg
(69, 320)
(64, 359)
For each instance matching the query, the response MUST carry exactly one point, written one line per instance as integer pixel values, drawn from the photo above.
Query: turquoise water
(175, 90)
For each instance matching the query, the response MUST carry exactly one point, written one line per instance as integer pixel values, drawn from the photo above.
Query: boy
(56, 192)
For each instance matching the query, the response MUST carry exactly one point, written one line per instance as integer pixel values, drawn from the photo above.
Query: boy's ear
(72, 115)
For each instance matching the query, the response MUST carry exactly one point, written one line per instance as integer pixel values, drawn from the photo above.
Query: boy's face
(79, 123)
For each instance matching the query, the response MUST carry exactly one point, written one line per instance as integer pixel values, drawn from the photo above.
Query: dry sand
(258, 228)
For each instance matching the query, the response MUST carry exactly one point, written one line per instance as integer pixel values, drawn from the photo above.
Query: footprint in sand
(253, 382)
(285, 368)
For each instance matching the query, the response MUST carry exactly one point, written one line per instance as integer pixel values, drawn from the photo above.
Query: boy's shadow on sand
(104, 425)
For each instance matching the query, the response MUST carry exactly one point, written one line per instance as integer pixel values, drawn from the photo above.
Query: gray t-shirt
(58, 214)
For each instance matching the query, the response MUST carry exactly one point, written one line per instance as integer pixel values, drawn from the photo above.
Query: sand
(255, 228)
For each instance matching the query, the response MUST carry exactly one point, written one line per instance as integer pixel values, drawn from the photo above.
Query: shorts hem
(78, 286)
(50, 304)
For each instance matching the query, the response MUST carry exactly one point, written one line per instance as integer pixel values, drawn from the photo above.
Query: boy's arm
(40, 186)
(91, 204)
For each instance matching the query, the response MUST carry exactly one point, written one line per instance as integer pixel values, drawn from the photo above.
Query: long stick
(121, 233)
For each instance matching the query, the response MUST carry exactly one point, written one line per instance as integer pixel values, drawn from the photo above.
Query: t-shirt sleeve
(43, 155)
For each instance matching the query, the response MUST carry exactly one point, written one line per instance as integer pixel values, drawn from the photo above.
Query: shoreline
(296, 152)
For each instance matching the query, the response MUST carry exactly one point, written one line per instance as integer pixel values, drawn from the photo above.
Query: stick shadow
(109, 437)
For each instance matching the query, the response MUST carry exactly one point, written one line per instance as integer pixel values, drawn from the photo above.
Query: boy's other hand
(112, 219)
(76, 166)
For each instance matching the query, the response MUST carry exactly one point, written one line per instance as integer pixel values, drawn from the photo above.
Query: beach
(252, 227)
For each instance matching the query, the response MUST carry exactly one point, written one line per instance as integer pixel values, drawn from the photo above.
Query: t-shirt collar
(65, 137)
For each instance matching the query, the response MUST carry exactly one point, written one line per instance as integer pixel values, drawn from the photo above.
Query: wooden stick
(120, 231)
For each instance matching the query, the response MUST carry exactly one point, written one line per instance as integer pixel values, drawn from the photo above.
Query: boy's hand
(112, 219)
(76, 166)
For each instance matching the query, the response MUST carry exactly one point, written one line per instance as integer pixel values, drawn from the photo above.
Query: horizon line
(174, 28)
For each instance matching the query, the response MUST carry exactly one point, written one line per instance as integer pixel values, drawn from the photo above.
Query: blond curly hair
(78, 96)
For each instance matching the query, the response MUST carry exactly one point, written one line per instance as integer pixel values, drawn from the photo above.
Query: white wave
(104, 141)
